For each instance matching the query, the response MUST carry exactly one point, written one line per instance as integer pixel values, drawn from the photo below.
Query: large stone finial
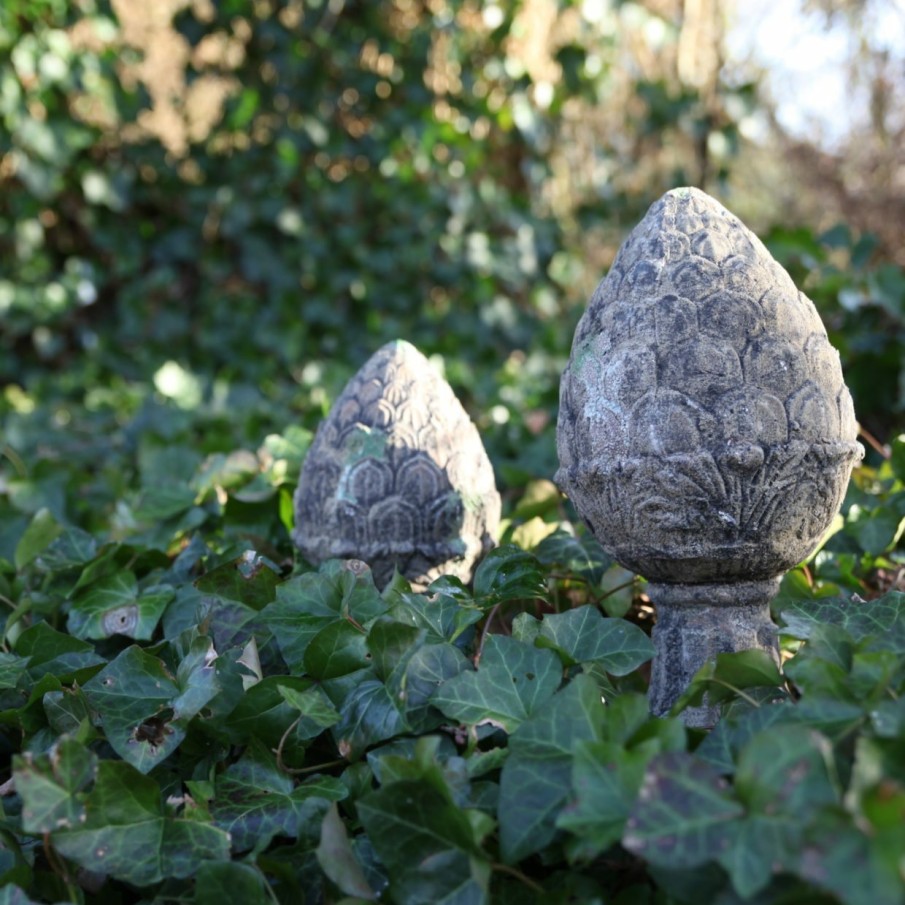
(397, 476)
(705, 433)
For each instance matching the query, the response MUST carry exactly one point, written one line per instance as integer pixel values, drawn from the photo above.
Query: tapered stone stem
(695, 622)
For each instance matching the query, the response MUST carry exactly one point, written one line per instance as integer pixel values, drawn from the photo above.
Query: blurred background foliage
(211, 213)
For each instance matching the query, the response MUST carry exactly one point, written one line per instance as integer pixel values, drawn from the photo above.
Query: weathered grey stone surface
(705, 432)
(397, 475)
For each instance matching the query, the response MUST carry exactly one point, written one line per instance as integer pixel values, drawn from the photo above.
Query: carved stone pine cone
(705, 431)
(397, 476)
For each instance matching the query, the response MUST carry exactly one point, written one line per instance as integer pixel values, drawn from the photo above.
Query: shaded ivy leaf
(340, 589)
(510, 683)
(128, 834)
(133, 696)
(115, 606)
(574, 555)
(605, 782)
(42, 530)
(56, 653)
(254, 801)
(508, 573)
(758, 847)
(264, 712)
(582, 635)
(336, 857)
(681, 816)
(721, 679)
(415, 682)
(53, 786)
(443, 617)
(536, 779)
(217, 882)
(426, 843)
(11, 894)
(369, 714)
(337, 649)
(316, 709)
(786, 772)
(250, 579)
(845, 862)
(196, 679)
(12, 667)
(71, 549)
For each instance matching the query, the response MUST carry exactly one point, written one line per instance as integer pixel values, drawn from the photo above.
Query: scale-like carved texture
(397, 475)
(705, 431)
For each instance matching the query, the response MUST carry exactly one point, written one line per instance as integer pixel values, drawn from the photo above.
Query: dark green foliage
(188, 711)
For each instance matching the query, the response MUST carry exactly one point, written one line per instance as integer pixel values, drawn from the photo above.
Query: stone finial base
(695, 622)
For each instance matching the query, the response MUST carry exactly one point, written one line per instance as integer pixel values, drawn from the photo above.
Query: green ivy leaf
(128, 834)
(217, 882)
(511, 682)
(426, 843)
(250, 579)
(682, 814)
(338, 649)
(55, 653)
(53, 786)
(582, 635)
(337, 858)
(536, 779)
(115, 606)
(254, 801)
(369, 714)
(508, 573)
(39, 535)
(134, 696)
(728, 675)
(880, 623)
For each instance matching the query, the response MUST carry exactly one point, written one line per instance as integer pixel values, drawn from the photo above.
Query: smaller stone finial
(397, 476)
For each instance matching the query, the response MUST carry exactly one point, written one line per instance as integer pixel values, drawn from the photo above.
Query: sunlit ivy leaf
(128, 835)
(40, 533)
(582, 635)
(134, 698)
(254, 801)
(426, 843)
(53, 786)
(508, 573)
(536, 780)
(115, 606)
(681, 816)
(250, 579)
(511, 682)
(50, 651)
